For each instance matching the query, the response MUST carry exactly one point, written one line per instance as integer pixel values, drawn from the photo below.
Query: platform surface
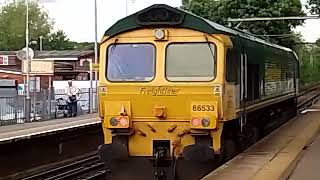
(27, 130)
(308, 168)
(275, 156)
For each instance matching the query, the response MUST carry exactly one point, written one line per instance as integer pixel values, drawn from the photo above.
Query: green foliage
(314, 6)
(221, 11)
(84, 46)
(309, 56)
(13, 24)
(58, 41)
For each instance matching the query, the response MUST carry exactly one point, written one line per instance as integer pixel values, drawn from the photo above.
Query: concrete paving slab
(308, 168)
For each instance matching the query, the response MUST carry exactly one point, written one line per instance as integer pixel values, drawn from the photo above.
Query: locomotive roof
(161, 14)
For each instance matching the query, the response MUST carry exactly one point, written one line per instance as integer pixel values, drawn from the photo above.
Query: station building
(68, 64)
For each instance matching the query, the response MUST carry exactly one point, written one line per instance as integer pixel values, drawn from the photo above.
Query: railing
(11, 110)
(42, 106)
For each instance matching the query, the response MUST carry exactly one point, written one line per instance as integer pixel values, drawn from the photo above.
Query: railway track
(308, 96)
(85, 169)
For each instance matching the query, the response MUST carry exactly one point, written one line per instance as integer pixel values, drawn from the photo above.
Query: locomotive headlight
(159, 34)
(113, 121)
(205, 122)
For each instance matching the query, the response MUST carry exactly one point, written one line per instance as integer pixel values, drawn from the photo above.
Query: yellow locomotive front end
(160, 93)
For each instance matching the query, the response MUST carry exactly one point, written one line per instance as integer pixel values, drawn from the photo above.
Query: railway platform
(42, 128)
(292, 152)
(308, 166)
(24, 147)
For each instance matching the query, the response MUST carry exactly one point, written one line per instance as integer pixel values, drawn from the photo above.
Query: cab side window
(232, 65)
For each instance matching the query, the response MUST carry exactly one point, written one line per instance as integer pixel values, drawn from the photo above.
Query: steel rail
(87, 168)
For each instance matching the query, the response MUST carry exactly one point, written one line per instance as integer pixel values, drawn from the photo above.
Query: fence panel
(11, 110)
(42, 108)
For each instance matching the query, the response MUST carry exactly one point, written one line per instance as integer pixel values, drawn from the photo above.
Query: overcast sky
(76, 17)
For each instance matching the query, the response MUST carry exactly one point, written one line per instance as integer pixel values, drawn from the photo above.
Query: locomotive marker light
(196, 122)
(203, 123)
(119, 122)
(123, 122)
(114, 121)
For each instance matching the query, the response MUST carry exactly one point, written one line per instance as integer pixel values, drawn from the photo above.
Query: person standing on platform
(72, 93)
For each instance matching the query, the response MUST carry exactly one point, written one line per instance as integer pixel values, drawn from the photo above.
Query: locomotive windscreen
(131, 62)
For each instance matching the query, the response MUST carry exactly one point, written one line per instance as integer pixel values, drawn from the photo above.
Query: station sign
(39, 67)
(4, 60)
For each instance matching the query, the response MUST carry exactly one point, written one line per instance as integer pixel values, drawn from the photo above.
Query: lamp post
(28, 108)
(40, 37)
(96, 48)
(94, 61)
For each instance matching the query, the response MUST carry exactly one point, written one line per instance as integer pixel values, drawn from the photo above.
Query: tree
(314, 6)
(309, 55)
(13, 24)
(220, 11)
(84, 45)
(58, 41)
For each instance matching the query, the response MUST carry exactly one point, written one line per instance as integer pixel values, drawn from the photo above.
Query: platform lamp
(95, 51)
(28, 102)
(26, 54)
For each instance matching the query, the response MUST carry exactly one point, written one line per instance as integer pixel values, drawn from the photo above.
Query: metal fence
(43, 107)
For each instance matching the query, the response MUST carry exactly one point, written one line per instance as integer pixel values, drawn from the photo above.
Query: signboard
(4, 60)
(39, 67)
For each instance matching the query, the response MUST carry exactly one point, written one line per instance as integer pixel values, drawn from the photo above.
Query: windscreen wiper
(209, 46)
(114, 46)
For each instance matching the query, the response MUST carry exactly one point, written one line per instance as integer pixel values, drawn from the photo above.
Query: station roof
(61, 54)
(55, 54)
(163, 15)
(8, 53)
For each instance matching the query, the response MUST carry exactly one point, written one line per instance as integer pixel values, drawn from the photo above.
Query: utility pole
(96, 48)
(95, 59)
(40, 37)
(28, 103)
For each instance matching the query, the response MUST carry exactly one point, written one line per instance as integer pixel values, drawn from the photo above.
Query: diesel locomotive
(179, 93)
